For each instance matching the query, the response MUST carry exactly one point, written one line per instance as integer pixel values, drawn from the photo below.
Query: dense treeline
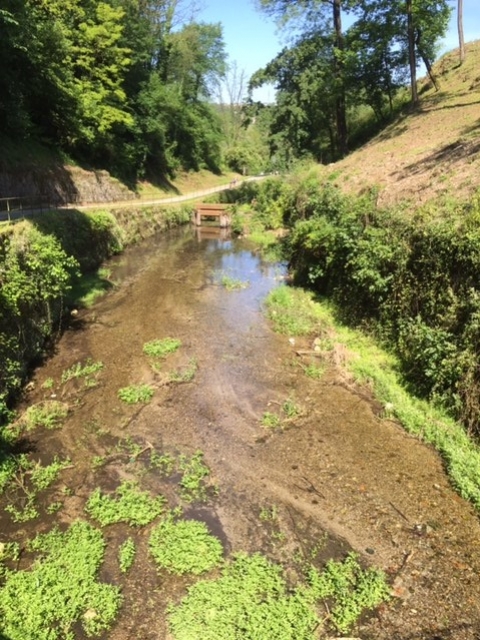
(118, 84)
(329, 76)
(130, 85)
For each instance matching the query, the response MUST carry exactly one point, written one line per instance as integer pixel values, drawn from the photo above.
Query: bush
(413, 280)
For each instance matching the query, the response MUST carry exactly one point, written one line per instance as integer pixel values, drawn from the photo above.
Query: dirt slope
(428, 154)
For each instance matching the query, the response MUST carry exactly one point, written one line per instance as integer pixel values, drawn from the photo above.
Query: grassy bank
(296, 311)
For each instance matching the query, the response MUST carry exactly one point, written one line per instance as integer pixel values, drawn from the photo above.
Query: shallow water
(338, 476)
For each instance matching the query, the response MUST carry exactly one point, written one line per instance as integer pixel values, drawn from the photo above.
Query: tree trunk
(426, 61)
(340, 106)
(461, 40)
(411, 53)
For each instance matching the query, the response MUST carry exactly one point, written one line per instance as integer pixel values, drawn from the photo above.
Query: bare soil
(340, 475)
(431, 153)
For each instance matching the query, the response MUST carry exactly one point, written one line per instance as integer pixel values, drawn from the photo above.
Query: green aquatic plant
(126, 555)
(48, 414)
(60, 590)
(252, 601)
(194, 471)
(136, 394)
(128, 504)
(162, 347)
(184, 546)
(89, 371)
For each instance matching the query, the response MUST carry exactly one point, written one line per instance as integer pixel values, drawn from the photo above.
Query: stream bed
(327, 477)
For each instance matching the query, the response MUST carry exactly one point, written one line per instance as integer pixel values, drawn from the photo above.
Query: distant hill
(431, 153)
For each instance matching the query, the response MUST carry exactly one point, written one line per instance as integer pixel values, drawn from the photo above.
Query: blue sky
(252, 40)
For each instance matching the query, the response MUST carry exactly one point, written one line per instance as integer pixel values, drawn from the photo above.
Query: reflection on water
(212, 233)
(196, 255)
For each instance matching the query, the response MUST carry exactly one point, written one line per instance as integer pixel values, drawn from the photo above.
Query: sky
(252, 40)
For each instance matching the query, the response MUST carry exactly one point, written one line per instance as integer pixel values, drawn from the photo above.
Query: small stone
(90, 614)
(370, 550)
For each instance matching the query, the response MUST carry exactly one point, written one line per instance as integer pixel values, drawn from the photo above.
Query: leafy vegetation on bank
(41, 264)
(411, 278)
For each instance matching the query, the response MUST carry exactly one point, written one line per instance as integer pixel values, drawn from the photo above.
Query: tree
(326, 73)
(461, 40)
(377, 62)
(411, 52)
(314, 13)
(303, 120)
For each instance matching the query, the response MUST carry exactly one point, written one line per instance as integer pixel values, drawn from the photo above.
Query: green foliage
(251, 601)
(60, 589)
(194, 470)
(27, 512)
(326, 75)
(9, 551)
(290, 409)
(232, 284)
(31, 477)
(162, 347)
(126, 555)
(8, 466)
(271, 420)
(165, 463)
(128, 504)
(43, 476)
(269, 514)
(184, 546)
(185, 374)
(48, 414)
(314, 371)
(293, 314)
(135, 394)
(350, 590)
(98, 96)
(35, 275)
(89, 371)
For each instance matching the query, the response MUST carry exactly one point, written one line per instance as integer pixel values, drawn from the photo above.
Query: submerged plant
(232, 284)
(89, 371)
(136, 394)
(162, 347)
(194, 470)
(48, 414)
(128, 504)
(184, 546)
(251, 600)
(187, 374)
(60, 589)
(270, 420)
(126, 555)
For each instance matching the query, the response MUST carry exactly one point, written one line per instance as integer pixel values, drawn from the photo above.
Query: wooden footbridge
(212, 211)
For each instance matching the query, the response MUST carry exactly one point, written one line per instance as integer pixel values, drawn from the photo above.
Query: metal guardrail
(14, 208)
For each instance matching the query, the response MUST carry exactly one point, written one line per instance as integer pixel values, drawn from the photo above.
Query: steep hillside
(431, 153)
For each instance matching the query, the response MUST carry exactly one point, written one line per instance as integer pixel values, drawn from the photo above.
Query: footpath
(19, 208)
